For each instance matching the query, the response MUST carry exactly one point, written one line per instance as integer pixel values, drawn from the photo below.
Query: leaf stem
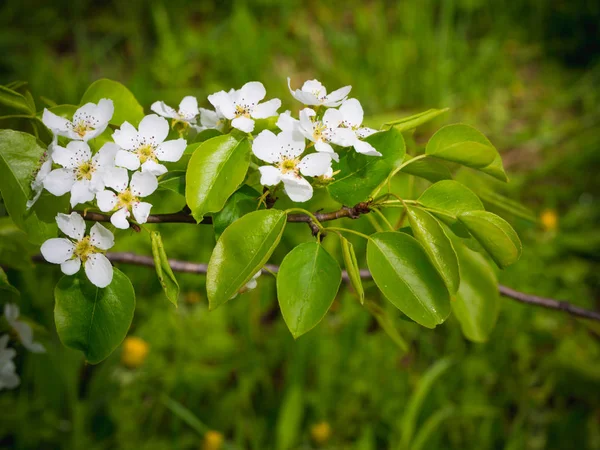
(358, 233)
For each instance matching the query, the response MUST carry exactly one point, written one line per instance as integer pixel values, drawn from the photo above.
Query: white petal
(59, 181)
(106, 109)
(11, 313)
(71, 267)
(116, 178)
(58, 125)
(365, 148)
(365, 132)
(326, 148)
(297, 188)
(266, 109)
(208, 118)
(64, 157)
(23, 330)
(243, 123)
(153, 128)
(99, 270)
(141, 211)
(315, 164)
(315, 87)
(72, 225)
(126, 137)
(352, 113)
(269, 175)
(57, 250)
(101, 237)
(251, 93)
(106, 155)
(266, 147)
(306, 124)
(143, 184)
(188, 108)
(107, 200)
(171, 151)
(161, 108)
(291, 145)
(337, 97)
(80, 150)
(305, 97)
(95, 116)
(154, 168)
(332, 118)
(344, 137)
(81, 192)
(286, 122)
(127, 159)
(223, 102)
(119, 219)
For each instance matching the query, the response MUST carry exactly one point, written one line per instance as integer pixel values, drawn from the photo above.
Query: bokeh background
(525, 72)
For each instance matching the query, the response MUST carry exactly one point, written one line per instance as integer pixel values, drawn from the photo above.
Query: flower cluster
(125, 170)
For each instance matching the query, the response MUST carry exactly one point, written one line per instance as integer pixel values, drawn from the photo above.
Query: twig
(201, 268)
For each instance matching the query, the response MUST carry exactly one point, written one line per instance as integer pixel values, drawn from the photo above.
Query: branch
(201, 268)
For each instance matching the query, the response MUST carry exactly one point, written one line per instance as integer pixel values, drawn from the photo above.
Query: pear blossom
(326, 131)
(8, 371)
(81, 249)
(242, 106)
(313, 93)
(23, 330)
(146, 146)
(37, 185)
(352, 118)
(127, 199)
(210, 120)
(187, 112)
(88, 122)
(82, 174)
(283, 152)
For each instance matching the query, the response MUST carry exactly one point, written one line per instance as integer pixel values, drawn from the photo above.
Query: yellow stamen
(145, 153)
(125, 199)
(85, 171)
(242, 111)
(289, 165)
(82, 128)
(84, 249)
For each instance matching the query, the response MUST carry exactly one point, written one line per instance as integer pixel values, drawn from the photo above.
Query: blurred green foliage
(526, 73)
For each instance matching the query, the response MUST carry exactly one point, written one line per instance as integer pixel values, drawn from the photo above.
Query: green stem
(358, 233)
(382, 217)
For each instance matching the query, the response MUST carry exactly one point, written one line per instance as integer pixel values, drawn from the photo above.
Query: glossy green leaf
(173, 181)
(307, 283)
(243, 201)
(207, 134)
(15, 250)
(127, 107)
(5, 284)
(495, 235)
(387, 324)
(500, 203)
(20, 157)
(352, 268)
(406, 276)
(216, 169)
(438, 246)
(428, 168)
(13, 102)
(360, 175)
(411, 122)
(496, 169)
(93, 320)
(163, 269)
(477, 303)
(243, 248)
(462, 144)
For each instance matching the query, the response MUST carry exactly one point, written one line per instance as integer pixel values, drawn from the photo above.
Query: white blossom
(127, 199)
(187, 112)
(88, 122)
(352, 118)
(326, 131)
(23, 330)
(243, 106)
(313, 93)
(283, 152)
(81, 249)
(146, 146)
(249, 285)
(82, 174)
(8, 373)
(37, 185)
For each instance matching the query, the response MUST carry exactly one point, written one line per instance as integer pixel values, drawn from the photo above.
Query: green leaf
(127, 107)
(243, 248)
(216, 169)
(13, 101)
(428, 168)
(495, 235)
(243, 201)
(477, 303)
(352, 268)
(307, 283)
(387, 324)
(90, 319)
(15, 250)
(173, 181)
(411, 122)
(462, 144)
(496, 169)
(289, 420)
(404, 273)
(504, 204)
(438, 246)
(163, 269)
(19, 159)
(207, 134)
(5, 284)
(360, 175)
